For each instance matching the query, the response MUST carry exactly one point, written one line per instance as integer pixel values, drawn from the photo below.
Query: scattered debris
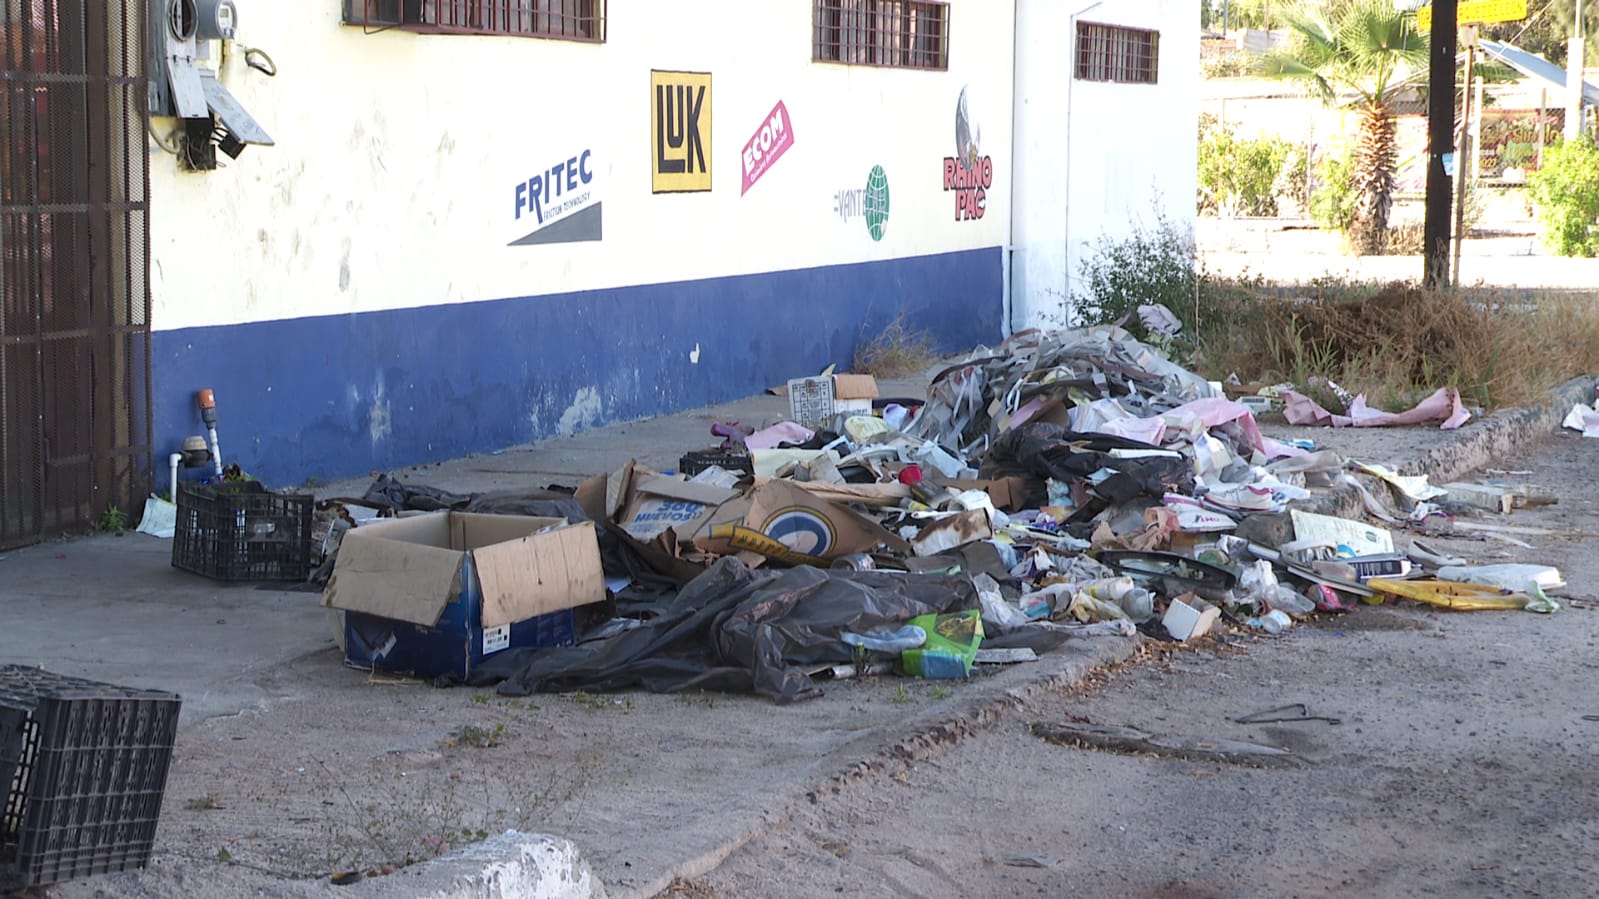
(1063, 485)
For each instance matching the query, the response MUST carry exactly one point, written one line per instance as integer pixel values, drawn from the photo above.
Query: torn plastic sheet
(1583, 418)
(1443, 405)
(735, 630)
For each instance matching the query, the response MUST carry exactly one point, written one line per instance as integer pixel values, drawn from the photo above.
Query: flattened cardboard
(401, 569)
(535, 575)
(854, 387)
(789, 524)
(654, 504)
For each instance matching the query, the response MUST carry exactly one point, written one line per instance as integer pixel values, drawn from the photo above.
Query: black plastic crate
(693, 463)
(84, 765)
(241, 531)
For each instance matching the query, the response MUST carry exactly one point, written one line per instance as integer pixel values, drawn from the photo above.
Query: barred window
(902, 34)
(1113, 53)
(576, 20)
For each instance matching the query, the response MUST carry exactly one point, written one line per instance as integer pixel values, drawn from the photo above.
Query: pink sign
(767, 146)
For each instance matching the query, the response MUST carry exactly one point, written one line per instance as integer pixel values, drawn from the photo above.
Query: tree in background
(1368, 48)
(1565, 192)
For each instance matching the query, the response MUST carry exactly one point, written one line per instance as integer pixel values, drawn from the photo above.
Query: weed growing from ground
(895, 352)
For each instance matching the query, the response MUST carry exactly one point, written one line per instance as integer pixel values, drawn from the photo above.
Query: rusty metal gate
(74, 253)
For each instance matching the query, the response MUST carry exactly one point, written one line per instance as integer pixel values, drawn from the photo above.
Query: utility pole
(1465, 150)
(1574, 67)
(1440, 142)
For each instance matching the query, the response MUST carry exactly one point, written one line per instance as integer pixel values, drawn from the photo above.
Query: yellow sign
(1477, 12)
(680, 131)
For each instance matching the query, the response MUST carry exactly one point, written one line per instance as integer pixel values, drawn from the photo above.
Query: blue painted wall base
(337, 396)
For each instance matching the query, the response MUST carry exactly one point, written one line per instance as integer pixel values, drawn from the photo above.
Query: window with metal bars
(1114, 53)
(573, 20)
(901, 34)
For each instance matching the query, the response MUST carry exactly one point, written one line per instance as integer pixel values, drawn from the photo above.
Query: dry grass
(895, 352)
(1399, 342)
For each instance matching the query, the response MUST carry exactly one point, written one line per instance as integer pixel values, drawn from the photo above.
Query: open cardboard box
(434, 595)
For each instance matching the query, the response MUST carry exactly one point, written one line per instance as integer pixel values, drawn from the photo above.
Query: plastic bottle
(888, 640)
(1273, 622)
(1282, 599)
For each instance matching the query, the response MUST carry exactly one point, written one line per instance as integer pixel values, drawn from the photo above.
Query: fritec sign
(680, 131)
(560, 203)
(767, 146)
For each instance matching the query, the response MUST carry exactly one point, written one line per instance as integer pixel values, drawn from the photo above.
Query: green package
(951, 647)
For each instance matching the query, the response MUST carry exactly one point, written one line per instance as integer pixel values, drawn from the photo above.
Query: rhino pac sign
(969, 174)
(770, 141)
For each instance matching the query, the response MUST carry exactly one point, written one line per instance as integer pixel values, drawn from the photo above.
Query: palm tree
(1368, 48)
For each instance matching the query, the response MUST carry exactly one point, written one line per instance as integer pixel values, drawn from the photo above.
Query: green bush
(1148, 266)
(1161, 265)
(1238, 176)
(1332, 202)
(1565, 194)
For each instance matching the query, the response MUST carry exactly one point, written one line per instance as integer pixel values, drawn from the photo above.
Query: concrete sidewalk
(251, 661)
(112, 608)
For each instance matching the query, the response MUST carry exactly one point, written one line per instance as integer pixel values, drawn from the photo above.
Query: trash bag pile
(1064, 485)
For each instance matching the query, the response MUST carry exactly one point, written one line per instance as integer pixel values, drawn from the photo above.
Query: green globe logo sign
(876, 202)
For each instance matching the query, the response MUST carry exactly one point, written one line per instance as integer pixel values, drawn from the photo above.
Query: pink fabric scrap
(782, 432)
(1444, 404)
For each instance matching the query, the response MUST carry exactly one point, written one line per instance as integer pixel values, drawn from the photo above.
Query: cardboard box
(813, 401)
(434, 595)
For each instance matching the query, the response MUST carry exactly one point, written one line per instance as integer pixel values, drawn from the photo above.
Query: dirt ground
(1462, 766)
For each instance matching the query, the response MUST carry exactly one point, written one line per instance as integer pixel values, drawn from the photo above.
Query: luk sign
(1477, 12)
(680, 131)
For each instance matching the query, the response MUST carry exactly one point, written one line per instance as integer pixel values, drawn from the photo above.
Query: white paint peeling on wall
(585, 410)
(694, 355)
(380, 421)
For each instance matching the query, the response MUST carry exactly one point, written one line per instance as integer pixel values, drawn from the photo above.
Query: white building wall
(392, 181)
(1095, 159)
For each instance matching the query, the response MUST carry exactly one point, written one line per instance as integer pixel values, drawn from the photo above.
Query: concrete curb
(1502, 434)
(509, 866)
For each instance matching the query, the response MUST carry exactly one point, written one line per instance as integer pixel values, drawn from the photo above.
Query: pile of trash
(1063, 485)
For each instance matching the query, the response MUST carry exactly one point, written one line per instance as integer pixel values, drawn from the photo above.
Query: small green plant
(701, 698)
(940, 692)
(901, 695)
(113, 520)
(476, 736)
(480, 698)
(1565, 195)
(592, 703)
(206, 803)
